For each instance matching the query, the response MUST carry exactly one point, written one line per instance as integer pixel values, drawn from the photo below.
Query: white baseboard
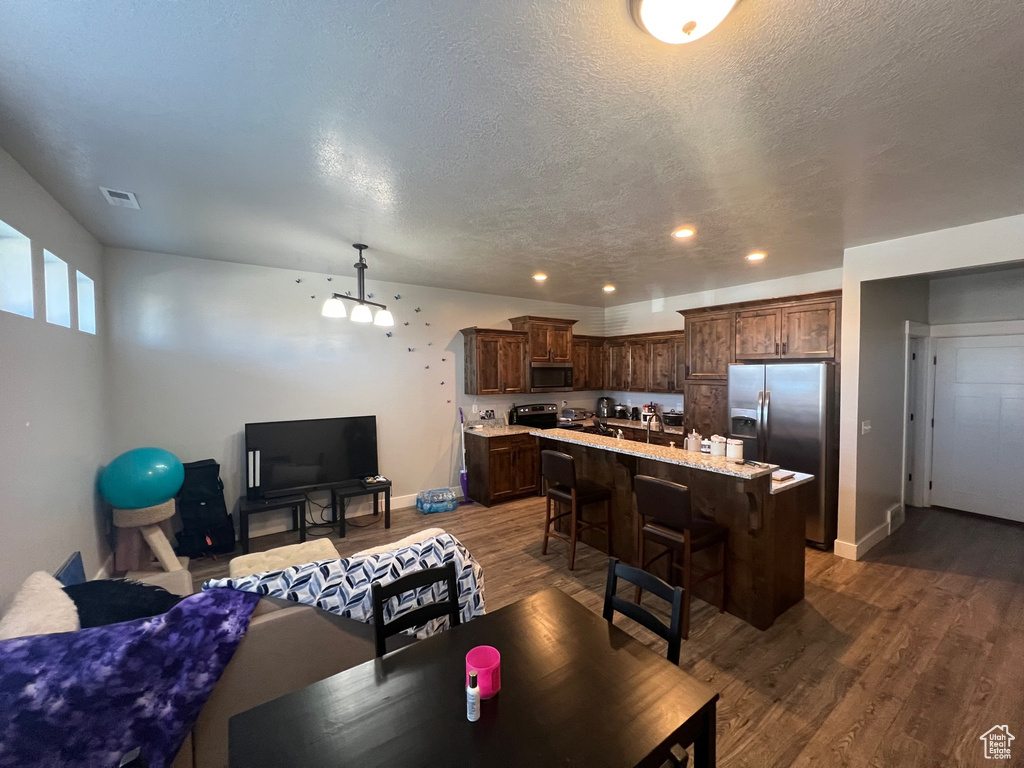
(106, 568)
(855, 551)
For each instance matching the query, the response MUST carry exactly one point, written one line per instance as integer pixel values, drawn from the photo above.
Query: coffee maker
(605, 405)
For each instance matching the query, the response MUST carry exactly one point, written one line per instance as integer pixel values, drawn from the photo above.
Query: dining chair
(670, 632)
(381, 593)
(665, 516)
(562, 486)
(672, 595)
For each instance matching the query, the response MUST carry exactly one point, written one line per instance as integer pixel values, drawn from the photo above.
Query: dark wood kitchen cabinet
(502, 468)
(637, 351)
(709, 346)
(617, 366)
(706, 409)
(495, 361)
(549, 339)
(759, 334)
(587, 363)
(809, 331)
(666, 363)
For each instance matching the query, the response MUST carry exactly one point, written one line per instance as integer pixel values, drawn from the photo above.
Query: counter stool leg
(684, 626)
(643, 567)
(608, 511)
(573, 530)
(547, 524)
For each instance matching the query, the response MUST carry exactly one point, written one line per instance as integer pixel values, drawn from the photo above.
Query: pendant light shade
(679, 21)
(361, 314)
(383, 318)
(333, 307)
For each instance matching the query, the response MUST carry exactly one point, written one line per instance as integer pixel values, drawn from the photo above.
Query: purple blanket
(86, 698)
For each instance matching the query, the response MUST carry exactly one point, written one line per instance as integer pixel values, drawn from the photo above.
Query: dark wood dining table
(576, 691)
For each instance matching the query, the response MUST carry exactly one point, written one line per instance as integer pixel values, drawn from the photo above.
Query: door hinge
(929, 485)
(911, 417)
(933, 423)
(913, 355)
(935, 360)
(910, 477)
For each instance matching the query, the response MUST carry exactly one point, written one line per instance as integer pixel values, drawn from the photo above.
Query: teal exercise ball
(143, 477)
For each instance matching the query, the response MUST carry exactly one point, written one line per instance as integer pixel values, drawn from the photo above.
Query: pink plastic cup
(486, 662)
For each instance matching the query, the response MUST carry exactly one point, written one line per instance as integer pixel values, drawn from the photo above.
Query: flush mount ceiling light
(684, 232)
(756, 257)
(540, 277)
(679, 21)
(609, 289)
(361, 313)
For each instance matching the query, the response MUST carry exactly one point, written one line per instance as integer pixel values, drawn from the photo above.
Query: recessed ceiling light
(540, 277)
(679, 21)
(609, 289)
(756, 257)
(683, 232)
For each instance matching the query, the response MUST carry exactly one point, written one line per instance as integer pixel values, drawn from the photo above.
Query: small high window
(86, 304)
(58, 291)
(15, 272)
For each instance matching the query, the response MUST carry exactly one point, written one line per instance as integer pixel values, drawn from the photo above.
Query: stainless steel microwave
(551, 377)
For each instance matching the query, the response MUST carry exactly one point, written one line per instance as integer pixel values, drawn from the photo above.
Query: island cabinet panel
(809, 331)
(501, 468)
(758, 334)
(549, 338)
(706, 408)
(495, 361)
(709, 343)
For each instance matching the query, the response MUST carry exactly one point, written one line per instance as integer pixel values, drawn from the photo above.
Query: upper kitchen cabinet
(758, 334)
(617, 366)
(666, 363)
(587, 363)
(637, 352)
(549, 339)
(809, 331)
(709, 346)
(495, 361)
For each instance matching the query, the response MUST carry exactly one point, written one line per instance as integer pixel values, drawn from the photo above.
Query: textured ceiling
(470, 143)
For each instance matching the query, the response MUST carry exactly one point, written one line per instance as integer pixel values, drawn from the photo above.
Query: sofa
(287, 647)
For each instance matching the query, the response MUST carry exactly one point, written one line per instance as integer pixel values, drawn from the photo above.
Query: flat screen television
(286, 457)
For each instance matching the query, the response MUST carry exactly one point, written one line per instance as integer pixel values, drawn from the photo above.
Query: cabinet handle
(776, 347)
(783, 347)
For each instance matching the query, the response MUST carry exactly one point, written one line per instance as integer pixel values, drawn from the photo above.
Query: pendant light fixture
(679, 21)
(361, 312)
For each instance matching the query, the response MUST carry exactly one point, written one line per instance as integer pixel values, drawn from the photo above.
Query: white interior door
(978, 448)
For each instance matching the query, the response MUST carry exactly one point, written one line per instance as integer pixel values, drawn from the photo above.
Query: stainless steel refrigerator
(786, 414)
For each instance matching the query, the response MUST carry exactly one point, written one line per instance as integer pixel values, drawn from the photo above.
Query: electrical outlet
(865, 427)
(476, 408)
(565, 403)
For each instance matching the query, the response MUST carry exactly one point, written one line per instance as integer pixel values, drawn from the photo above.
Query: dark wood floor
(903, 659)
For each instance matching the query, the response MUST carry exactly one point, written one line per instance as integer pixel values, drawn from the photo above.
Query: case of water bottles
(437, 500)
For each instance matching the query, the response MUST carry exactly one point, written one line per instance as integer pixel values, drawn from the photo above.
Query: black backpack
(207, 526)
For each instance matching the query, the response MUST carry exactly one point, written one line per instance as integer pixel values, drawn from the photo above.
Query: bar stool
(671, 523)
(561, 485)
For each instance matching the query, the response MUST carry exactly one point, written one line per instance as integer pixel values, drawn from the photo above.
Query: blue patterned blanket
(86, 698)
(343, 586)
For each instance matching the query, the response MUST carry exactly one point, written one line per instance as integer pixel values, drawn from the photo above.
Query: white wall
(662, 314)
(52, 417)
(1000, 241)
(199, 348)
(977, 298)
(886, 305)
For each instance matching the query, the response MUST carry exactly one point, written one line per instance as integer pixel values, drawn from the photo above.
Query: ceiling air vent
(120, 199)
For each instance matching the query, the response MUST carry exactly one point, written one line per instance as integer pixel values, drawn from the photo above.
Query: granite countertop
(692, 459)
(505, 431)
(798, 478)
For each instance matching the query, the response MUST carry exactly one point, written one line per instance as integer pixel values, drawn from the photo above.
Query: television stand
(350, 491)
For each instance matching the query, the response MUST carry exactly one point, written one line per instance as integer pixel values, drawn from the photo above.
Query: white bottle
(472, 699)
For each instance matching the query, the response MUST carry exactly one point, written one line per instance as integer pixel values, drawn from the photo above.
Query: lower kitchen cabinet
(502, 468)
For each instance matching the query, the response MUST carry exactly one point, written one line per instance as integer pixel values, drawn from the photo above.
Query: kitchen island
(765, 555)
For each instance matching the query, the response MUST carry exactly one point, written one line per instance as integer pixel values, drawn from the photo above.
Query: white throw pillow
(40, 607)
